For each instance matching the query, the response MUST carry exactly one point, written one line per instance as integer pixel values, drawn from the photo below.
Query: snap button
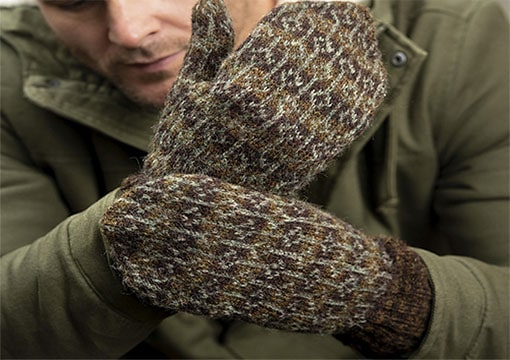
(399, 59)
(52, 83)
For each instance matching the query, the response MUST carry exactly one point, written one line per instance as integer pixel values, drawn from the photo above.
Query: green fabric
(433, 170)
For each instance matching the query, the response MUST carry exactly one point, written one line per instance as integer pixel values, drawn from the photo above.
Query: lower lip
(161, 64)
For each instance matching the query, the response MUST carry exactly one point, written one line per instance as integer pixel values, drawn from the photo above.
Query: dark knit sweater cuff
(396, 325)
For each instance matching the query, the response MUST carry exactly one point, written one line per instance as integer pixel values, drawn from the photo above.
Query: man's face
(138, 44)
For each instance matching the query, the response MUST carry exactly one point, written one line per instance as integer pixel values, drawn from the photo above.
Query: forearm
(59, 296)
(470, 307)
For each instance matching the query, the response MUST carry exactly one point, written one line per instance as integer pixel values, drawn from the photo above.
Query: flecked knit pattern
(225, 251)
(397, 323)
(205, 227)
(273, 113)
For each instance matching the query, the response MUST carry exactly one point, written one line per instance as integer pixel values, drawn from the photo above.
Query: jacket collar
(403, 59)
(54, 80)
(381, 10)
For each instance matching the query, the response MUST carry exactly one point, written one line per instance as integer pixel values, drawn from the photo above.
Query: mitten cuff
(397, 322)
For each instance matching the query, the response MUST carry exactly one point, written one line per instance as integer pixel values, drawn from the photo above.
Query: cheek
(87, 40)
(80, 37)
(89, 46)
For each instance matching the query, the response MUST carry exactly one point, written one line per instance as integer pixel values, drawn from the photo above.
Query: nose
(130, 22)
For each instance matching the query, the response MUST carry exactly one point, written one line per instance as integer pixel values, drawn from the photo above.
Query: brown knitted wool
(271, 114)
(396, 324)
(265, 119)
(197, 244)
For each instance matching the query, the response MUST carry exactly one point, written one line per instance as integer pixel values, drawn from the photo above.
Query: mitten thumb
(212, 40)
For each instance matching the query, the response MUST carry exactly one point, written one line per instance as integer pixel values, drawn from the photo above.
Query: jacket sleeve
(58, 296)
(471, 198)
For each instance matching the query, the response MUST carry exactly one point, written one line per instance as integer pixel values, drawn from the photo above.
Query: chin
(147, 98)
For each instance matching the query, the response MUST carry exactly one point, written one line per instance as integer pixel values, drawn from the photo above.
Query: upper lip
(146, 62)
(152, 61)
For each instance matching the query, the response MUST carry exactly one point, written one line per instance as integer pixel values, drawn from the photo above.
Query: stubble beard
(139, 90)
(141, 97)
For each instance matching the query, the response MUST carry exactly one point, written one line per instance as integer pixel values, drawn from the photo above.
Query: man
(432, 170)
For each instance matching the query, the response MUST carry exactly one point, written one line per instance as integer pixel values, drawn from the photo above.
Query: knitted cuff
(396, 324)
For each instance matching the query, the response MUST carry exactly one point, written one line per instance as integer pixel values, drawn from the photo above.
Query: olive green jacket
(432, 170)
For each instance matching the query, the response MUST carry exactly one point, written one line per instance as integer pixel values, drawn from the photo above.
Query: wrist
(398, 320)
(88, 251)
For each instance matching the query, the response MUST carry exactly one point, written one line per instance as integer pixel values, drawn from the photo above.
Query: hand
(197, 244)
(273, 113)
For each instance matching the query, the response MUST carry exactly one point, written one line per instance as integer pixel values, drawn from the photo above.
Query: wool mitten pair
(271, 114)
(200, 229)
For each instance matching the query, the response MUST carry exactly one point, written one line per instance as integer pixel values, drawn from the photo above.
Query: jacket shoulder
(24, 29)
(407, 13)
(460, 9)
(9, 59)
(25, 23)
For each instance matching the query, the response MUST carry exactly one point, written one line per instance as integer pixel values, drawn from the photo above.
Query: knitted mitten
(197, 244)
(271, 114)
